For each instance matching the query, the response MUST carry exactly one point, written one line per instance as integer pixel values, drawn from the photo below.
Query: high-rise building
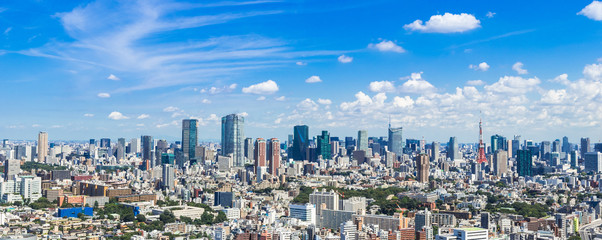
(324, 148)
(223, 199)
(189, 139)
(485, 220)
(593, 162)
(362, 140)
(498, 142)
(147, 150)
(524, 163)
(11, 168)
(233, 136)
(545, 149)
(453, 151)
(300, 142)
(556, 146)
(120, 154)
(500, 162)
(260, 154)
(422, 167)
(42, 146)
(105, 143)
(422, 219)
(273, 153)
(585, 146)
(435, 151)
(349, 143)
(395, 140)
(574, 162)
(169, 177)
(515, 145)
(135, 145)
(305, 212)
(566, 145)
(327, 199)
(249, 150)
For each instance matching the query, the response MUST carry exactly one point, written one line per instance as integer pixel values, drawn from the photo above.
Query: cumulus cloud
(143, 116)
(481, 66)
(417, 85)
(307, 105)
(104, 95)
(593, 72)
(243, 114)
(313, 79)
(170, 109)
(324, 101)
(281, 98)
(88, 115)
(345, 59)
(217, 90)
(475, 83)
(513, 85)
(117, 116)
(387, 46)
(446, 23)
(382, 86)
(592, 11)
(518, 67)
(267, 87)
(113, 77)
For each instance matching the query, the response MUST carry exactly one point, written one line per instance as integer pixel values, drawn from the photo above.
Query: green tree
(221, 217)
(206, 218)
(141, 218)
(167, 217)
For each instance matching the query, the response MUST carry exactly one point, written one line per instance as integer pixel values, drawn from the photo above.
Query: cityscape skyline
(430, 79)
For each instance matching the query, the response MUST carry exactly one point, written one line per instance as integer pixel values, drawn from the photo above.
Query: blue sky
(125, 68)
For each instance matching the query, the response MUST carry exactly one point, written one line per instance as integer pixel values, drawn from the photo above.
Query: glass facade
(233, 137)
(300, 142)
(189, 139)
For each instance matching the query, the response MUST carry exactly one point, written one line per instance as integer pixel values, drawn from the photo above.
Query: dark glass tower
(300, 142)
(233, 137)
(189, 139)
(324, 146)
(524, 163)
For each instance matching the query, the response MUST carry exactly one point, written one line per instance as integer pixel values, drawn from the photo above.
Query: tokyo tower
(481, 158)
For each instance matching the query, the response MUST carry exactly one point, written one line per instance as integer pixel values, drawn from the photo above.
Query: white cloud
(417, 85)
(554, 96)
(88, 115)
(475, 83)
(382, 86)
(345, 59)
(267, 87)
(7, 30)
(113, 77)
(117, 116)
(243, 114)
(143, 116)
(170, 109)
(313, 79)
(481, 66)
(403, 102)
(301, 63)
(162, 125)
(217, 90)
(104, 95)
(490, 14)
(518, 67)
(261, 98)
(593, 71)
(281, 98)
(592, 11)
(324, 101)
(446, 23)
(307, 105)
(513, 85)
(206, 101)
(387, 46)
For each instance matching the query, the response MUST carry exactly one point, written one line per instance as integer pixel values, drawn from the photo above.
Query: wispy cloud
(505, 35)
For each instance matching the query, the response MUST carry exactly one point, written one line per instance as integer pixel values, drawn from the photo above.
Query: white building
(22, 187)
(232, 213)
(306, 213)
(473, 233)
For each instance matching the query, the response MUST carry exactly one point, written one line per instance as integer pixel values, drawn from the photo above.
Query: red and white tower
(482, 158)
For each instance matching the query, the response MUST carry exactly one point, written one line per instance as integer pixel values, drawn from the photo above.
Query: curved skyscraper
(189, 138)
(395, 142)
(300, 142)
(233, 137)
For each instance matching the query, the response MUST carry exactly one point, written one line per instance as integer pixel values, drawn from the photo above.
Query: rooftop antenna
(482, 158)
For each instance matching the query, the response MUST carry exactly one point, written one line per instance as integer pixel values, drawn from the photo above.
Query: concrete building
(306, 212)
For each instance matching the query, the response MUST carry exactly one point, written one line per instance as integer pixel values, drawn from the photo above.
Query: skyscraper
(435, 151)
(566, 145)
(500, 162)
(515, 145)
(273, 153)
(452, 149)
(260, 154)
(169, 177)
(524, 163)
(11, 169)
(324, 148)
(147, 150)
(498, 142)
(545, 149)
(189, 139)
(422, 166)
(105, 143)
(422, 219)
(585, 147)
(593, 162)
(249, 152)
(42, 146)
(300, 142)
(120, 154)
(233, 136)
(395, 141)
(362, 140)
